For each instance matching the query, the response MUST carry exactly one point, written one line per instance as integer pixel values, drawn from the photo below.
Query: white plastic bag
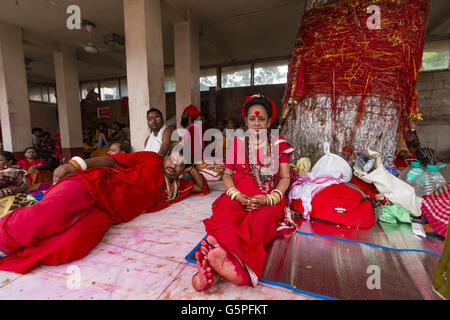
(332, 165)
(393, 188)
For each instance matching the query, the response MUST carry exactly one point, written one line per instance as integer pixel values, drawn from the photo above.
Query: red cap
(192, 111)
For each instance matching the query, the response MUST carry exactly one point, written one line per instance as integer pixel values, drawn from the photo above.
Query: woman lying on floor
(245, 218)
(86, 199)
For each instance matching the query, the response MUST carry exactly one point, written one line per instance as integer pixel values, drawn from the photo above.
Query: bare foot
(226, 264)
(203, 279)
(205, 247)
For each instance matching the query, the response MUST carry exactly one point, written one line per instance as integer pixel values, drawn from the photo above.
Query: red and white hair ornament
(274, 107)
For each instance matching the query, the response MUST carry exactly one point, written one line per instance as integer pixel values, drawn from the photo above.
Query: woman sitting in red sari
(245, 218)
(33, 165)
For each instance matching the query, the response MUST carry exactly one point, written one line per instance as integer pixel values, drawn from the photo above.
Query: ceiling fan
(112, 41)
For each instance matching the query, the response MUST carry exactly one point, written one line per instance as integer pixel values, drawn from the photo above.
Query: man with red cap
(193, 139)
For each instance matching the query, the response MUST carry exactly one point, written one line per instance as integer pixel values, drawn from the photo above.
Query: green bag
(394, 213)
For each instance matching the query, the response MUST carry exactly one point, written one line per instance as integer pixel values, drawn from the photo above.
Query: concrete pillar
(145, 65)
(187, 66)
(69, 109)
(14, 101)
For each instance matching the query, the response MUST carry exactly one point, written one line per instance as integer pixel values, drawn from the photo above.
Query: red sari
(75, 213)
(241, 232)
(38, 175)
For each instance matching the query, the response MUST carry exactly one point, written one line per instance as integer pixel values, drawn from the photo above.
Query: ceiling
(230, 31)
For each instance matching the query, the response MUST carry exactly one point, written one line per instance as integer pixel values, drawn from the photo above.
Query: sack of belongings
(351, 204)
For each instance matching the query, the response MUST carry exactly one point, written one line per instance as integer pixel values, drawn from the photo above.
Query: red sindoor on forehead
(257, 113)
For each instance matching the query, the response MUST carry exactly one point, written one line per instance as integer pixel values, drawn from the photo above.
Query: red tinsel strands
(335, 35)
(333, 107)
(300, 88)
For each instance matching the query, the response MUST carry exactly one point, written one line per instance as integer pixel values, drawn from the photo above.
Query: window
(86, 87)
(169, 85)
(41, 92)
(35, 92)
(208, 78)
(436, 55)
(109, 90)
(271, 72)
(123, 87)
(45, 95)
(52, 94)
(236, 76)
(169, 80)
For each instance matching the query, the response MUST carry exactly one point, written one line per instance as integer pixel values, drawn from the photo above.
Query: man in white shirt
(159, 140)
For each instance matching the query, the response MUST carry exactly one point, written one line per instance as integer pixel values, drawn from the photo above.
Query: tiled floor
(142, 259)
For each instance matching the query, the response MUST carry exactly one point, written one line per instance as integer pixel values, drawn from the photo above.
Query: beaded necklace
(171, 189)
(264, 175)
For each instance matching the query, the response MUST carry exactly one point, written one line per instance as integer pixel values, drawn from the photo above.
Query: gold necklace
(171, 189)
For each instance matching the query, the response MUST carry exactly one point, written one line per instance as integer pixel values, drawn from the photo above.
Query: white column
(145, 65)
(14, 100)
(187, 66)
(68, 96)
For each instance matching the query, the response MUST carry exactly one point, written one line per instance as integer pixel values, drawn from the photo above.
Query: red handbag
(350, 204)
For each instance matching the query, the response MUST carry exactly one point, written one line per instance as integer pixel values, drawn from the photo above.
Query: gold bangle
(233, 192)
(270, 200)
(229, 190)
(275, 199)
(279, 192)
(235, 196)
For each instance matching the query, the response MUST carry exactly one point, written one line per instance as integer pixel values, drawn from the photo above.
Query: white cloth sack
(394, 189)
(332, 165)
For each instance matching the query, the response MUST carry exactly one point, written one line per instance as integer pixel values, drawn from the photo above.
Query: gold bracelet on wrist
(275, 198)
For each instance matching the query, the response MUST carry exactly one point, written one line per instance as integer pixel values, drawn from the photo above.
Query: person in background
(223, 145)
(205, 124)
(102, 135)
(36, 135)
(47, 146)
(87, 147)
(92, 96)
(172, 122)
(231, 124)
(117, 147)
(194, 134)
(32, 164)
(159, 140)
(118, 133)
(221, 125)
(13, 185)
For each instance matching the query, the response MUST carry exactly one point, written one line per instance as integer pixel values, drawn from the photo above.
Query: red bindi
(257, 113)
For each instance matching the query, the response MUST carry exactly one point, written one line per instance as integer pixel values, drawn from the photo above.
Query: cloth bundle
(393, 188)
(330, 169)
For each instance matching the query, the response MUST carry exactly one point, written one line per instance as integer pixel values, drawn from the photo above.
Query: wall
(90, 119)
(434, 104)
(43, 115)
